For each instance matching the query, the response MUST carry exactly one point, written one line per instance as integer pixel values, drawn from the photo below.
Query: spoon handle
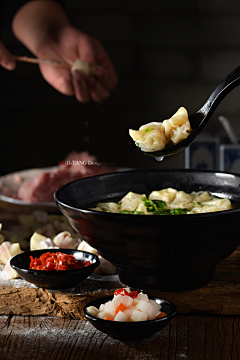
(226, 85)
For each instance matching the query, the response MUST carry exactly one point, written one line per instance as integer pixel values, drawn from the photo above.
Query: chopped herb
(126, 212)
(132, 212)
(148, 129)
(119, 203)
(179, 211)
(137, 144)
(195, 202)
(157, 207)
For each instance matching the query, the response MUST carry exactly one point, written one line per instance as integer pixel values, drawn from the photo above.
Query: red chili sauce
(56, 261)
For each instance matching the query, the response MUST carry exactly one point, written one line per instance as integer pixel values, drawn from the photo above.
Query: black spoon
(199, 119)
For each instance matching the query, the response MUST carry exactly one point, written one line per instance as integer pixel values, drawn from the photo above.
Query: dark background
(167, 55)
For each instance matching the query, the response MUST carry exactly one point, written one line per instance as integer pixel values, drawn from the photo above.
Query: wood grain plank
(190, 337)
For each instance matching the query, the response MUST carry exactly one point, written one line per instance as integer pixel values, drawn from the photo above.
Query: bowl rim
(94, 264)
(128, 323)
(101, 213)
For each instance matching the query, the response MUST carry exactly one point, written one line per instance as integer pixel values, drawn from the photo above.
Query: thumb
(6, 58)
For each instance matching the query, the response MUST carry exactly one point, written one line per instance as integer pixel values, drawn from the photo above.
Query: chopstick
(35, 60)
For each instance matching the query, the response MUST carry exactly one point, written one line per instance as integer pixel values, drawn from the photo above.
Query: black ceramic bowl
(131, 330)
(169, 252)
(61, 279)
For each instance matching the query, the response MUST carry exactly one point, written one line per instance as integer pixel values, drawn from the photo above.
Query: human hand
(44, 28)
(68, 45)
(6, 58)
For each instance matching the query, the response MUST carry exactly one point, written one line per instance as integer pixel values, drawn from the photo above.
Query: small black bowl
(61, 279)
(131, 330)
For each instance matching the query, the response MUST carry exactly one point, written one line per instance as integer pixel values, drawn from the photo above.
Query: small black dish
(61, 279)
(131, 330)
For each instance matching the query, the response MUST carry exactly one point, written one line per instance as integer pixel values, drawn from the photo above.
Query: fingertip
(80, 87)
(10, 65)
(77, 75)
(99, 93)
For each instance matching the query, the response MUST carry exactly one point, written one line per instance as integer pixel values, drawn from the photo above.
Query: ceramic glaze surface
(131, 330)
(168, 252)
(61, 279)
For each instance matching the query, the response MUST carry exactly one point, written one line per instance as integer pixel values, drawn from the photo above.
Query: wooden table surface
(191, 337)
(188, 336)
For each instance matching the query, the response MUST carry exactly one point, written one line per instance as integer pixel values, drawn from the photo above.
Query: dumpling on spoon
(156, 136)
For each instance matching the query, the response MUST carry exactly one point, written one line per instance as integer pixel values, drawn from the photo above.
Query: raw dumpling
(64, 240)
(7, 250)
(83, 67)
(39, 242)
(11, 273)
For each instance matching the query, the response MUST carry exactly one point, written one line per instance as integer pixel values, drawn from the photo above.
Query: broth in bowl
(166, 202)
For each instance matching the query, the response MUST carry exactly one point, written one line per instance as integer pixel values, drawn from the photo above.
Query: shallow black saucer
(54, 279)
(131, 330)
